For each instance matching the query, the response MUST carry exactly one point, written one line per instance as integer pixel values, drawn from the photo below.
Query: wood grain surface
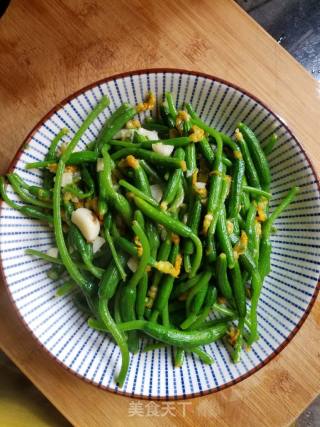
(49, 49)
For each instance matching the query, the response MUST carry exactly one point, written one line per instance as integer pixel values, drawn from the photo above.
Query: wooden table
(48, 49)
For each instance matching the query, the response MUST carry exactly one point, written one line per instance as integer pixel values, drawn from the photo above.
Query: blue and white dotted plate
(288, 293)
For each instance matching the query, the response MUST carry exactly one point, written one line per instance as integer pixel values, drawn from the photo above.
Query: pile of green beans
(183, 267)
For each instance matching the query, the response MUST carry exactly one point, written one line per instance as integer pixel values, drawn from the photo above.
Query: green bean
(206, 150)
(179, 357)
(84, 249)
(211, 252)
(178, 201)
(137, 192)
(56, 271)
(166, 286)
(198, 293)
(40, 193)
(66, 288)
(180, 141)
(213, 196)
(183, 287)
(18, 184)
(206, 296)
(245, 199)
(87, 286)
(109, 240)
(173, 183)
(238, 345)
(129, 300)
(51, 154)
(250, 224)
(236, 186)
(150, 124)
(171, 106)
(141, 179)
(153, 346)
(256, 191)
(191, 160)
(203, 356)
(257, 155)
(270, 144)
(142, 289)
(150, 172)
(164, 252)
(166, 117)
(150, 156)
(174, 225)
(107, 190)
(54, 260)
(265, 245)
(210, 300)
(165, 316)
(73, 189)
(77, 158)
(117, 301)
(209, 130)
(145, 257)
(222, 277)
(238, 290)
(193, 222)
(114, 124)
(185, 339)
(250, 170)
(119, 338)
(215, 322)
(256, 285)
(223, 237)
(29, 211)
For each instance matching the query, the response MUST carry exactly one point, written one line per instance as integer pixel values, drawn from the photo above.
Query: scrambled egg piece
(261, 209)
(233, 334)
(53, 167)
(183, 165)
(182, 116)
(91, 204)
(237, 154)
(197, 134)
(148, 104)
(132, 162)
(238, 135)
(241, 246)
(175, 239)
(133, 124)
(71, 168)
(194, 177)
(167, 268)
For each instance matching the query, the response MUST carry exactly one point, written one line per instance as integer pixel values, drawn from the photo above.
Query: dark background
(295, 24)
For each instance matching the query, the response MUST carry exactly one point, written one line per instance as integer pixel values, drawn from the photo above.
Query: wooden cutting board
(49, 49)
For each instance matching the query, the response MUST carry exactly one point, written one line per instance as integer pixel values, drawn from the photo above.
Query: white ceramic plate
(288, 293)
